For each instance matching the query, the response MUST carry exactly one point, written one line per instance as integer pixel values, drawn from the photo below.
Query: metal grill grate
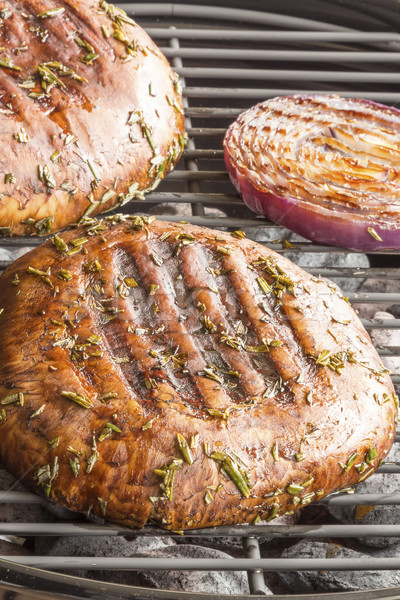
(228, 59)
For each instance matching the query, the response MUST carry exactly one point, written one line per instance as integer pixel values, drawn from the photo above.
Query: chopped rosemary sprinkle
(103, 506)
(264, 285)
(184, 448)
(374, 234)
(273, 512)
(275, 452)
(208, 324)
(74, 465)
(153, 288)
(157, 260)
(335, 362)
(294, 489)
(92, 459)
(37, 412)
(53, 443)
(371, 455)
(167, 472)
(208, 498)
(59, 243)
(7, 64)
(234, 471)
(194, 441)
(238, 234)
(10, 177)
(17, 399)
(225, 250)
(130, 282)
(78, 399)
(150, 383)
(22, 137)
(3, 416)
(282, 283)
(148, 424)
(309, 397)
(46, 176)
(350, 462)
(51, 12)
(65, 275)
(107, 431)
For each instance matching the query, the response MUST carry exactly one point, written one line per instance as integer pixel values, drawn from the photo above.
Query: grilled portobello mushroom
(90, 113)
(155, 371)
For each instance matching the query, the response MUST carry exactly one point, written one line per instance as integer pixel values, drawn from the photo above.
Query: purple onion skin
(323, 226)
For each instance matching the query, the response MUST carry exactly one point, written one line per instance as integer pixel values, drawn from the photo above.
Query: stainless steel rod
(67, 563)
(317, 55)
(278, 37)
(235, 14)
(264, 93)
(284, 75)
(255, 577)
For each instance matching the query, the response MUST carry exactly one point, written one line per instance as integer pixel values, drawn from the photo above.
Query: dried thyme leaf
(22, 137)
(371, 455)
(294, 489)
(3, 416)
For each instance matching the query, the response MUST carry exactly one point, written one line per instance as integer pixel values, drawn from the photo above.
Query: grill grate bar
(288, 75)
(320, 531)
(243, 54)
(277, 37)
(68, 563)
(255, 577)
(264, 93)
(221, 13)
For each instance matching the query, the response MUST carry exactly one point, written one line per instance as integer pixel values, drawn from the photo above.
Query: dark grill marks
(177, 334)
(285, 358)
(194, 264)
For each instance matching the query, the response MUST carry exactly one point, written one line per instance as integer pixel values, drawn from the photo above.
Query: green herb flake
(275, 452)
(374, 234)
(65, 275)
(266, 288)
(3, 416)
(22, 137)
(103, 506)
(10, 177)
(208, 498)
(92, 459)
(148, 424)
(78, 398)
(53, 443)
(208, 324)
(74, 465)
(37, 412)
(167, 473)
(184, 448)
(350, 462)
(153, 288)
(234, 471)
(371, 455)
(59, 243)
(51, 12)
(294, 489)
(273, 512)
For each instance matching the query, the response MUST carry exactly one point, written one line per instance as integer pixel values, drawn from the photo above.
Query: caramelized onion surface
(326, 167)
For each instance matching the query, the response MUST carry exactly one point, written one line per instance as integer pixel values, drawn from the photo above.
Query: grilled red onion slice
(326, 167)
